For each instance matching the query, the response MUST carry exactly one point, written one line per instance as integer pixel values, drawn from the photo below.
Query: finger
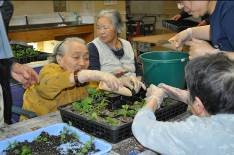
(139, 86)
(115, 84)
(143, 86)
(174, 42)
(128, 82)
(110, 84)
(18, 77)
(130, 85)
(136, 83)
(34, 76)
(168, 89)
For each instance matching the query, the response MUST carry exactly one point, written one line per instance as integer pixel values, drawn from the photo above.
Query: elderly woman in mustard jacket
(63, 81)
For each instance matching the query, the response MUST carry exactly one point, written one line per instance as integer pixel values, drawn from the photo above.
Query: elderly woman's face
(194, 8)
(106, 30)
(75, 58)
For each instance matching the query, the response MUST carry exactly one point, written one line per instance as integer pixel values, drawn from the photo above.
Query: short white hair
(115, 18)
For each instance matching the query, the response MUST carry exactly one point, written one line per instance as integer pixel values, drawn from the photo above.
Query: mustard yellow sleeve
(52, 80)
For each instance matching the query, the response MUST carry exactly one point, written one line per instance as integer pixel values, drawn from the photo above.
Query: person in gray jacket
(210, 83)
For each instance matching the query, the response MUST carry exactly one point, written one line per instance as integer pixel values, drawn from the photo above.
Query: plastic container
(115, 134)
(55, 129)
(179, 25)
(164, 67)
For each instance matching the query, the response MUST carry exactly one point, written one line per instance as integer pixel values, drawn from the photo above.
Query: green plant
(20, 51)
(95, 107)
(84, 105)
(87, 147)
(41, 139)
(111, 121)
(23, 150)
(12, 145)
(66, 132)
(26, 150)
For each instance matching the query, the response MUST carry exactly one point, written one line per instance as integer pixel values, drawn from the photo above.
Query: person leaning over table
(63, 80)
(108, 52)
(210, 94)
(204, 19)
(9, 68)
(220, 31)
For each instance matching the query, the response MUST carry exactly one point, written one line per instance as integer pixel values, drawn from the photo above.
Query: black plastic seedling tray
(179, 25)
(115, 134)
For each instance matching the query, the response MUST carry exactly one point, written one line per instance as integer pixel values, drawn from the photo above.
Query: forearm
(149, 132)
(201, 32)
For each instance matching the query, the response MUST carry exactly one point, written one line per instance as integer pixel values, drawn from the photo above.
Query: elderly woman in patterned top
(108, 52)
(63, 81)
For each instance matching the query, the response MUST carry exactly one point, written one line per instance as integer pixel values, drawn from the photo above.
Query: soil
(44, 144)
(127, 145)
(114, 110)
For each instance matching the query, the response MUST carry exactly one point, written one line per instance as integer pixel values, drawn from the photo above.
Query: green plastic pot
(164, 67)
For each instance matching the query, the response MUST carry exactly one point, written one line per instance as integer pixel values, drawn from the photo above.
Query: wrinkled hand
(93, 75)
(199, 48)
(180, 38)
(154, 96)
(132, 82)
(24, 74)
(176, 17)
(175, 93)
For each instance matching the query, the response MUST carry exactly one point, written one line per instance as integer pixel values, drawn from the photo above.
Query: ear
(199, 107)
(59, 59)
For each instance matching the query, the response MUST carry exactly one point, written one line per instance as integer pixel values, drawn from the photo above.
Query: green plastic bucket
(164, 67)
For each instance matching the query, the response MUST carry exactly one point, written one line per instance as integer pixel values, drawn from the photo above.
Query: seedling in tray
(99, 106)
(110, 116)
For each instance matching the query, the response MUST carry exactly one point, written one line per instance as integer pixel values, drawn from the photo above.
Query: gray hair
(61, 47)
(211, 78)
(115, 18)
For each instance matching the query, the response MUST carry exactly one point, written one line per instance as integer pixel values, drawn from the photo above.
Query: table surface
(8, 131)
(154, 38)
(160, 40)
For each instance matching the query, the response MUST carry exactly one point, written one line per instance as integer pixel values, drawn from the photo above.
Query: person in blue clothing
(220, 31)
(210, 94)
(204, 19)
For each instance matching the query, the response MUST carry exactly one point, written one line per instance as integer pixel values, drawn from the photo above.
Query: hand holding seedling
(154, 97)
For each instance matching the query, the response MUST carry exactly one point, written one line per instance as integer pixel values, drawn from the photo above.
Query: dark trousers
(5, 77)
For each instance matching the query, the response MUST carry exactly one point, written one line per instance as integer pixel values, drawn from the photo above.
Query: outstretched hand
(199, 48)
(175, 93)
(24, 74)
(132, 82)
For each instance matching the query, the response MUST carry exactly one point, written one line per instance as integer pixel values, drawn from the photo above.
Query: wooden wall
(83, 7)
